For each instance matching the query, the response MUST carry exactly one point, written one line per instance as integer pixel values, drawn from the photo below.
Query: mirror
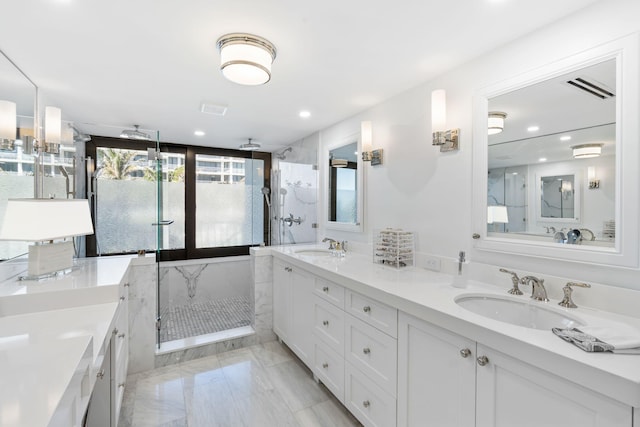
(560, 162)
(343, 168)
(16, 164)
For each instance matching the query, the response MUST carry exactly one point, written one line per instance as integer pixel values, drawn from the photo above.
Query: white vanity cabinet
(447, 380)
(292, 307)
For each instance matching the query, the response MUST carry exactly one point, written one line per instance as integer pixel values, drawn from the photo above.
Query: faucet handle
(515, 280)
(567, 290)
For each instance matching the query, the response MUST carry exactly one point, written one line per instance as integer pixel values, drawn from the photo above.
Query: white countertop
(46, 329)
(429, 295)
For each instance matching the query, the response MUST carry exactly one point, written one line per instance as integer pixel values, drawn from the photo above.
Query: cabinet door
(436, 376)
(301, 333)
(281, 300)
(512, 393)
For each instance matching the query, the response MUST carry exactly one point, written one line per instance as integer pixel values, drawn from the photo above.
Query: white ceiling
(153, 62)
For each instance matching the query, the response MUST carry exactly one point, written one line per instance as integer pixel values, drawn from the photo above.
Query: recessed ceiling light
(305, 114)
(542, 159)
(565, 138)
(533, 128)
(198, 133)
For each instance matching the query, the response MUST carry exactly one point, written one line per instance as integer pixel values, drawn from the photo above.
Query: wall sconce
(594, 182)
(52, 129)
(43, 221)
(496, 122)
(368, 154)
(7, 125)
(446, 139)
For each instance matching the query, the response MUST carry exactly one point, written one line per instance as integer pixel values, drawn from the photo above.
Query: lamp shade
(366, 136)
(7, 120)
(35, 220)
(438, 110)
(52, 125)
(246, 59)
(497, 214)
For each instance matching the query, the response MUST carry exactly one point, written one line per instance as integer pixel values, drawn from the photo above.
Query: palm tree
(117, 164)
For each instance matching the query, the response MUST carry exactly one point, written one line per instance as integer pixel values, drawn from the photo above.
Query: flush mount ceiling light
(586, 151)
(246, 59)
(496, 122)
(135, 134)
(250, 146)
(339, 163)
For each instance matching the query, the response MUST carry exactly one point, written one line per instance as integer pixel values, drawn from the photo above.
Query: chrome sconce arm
(447, 140)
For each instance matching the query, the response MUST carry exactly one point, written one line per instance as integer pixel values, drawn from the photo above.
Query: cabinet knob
(482, 360)
(121, 335)
(325, 322)
(121, 384)
(121, 298)
(115, 331)
(325, 365)
(366, 309)
(100, 374)
(366, 403)
(366, 350)
(465, 352)
(325, 289)
(126, 285)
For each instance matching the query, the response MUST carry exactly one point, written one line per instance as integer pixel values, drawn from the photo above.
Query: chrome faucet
(538, 291)
(515, 280)
(567, 301)
(333, 244)
(290, 220)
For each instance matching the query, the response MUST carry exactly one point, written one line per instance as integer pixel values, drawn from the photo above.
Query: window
(213, 210)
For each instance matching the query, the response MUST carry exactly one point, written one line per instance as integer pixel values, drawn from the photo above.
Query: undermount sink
(314, 252)
(529, 313)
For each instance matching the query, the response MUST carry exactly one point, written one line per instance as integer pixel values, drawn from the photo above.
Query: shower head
(135, 134)
(250, 146)
(267, 191)
(281, 155)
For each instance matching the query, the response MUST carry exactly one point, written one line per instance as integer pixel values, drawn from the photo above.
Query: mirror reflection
(551, 157)
(343, 180)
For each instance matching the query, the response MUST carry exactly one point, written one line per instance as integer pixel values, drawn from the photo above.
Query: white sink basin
(527, 313)
(313, 252)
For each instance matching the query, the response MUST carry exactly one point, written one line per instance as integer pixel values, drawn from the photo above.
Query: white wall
(420, 189)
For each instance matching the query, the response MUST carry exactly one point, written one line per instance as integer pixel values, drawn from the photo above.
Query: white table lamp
(43, 221)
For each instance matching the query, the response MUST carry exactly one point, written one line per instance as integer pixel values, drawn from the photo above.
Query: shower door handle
(163, 222)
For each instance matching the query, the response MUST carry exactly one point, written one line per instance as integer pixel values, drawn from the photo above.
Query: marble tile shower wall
(215, 279)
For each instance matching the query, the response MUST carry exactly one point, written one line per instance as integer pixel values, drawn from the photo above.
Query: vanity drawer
(370, 404)
(328, 324)
(330, 291)
(373, 312)
(328, 366)
(373, 352)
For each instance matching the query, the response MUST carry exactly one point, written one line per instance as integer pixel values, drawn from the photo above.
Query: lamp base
(50, 258)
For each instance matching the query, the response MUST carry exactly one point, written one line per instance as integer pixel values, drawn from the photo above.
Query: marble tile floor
(264, 385)
(204, 317)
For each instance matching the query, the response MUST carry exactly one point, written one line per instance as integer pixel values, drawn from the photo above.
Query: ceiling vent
(216, 110)
(596, 89)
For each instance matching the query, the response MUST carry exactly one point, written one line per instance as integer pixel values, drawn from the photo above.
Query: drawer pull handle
(121, 335)
(100, 374)
(366, 403)
(482, 360)
(325, 289)
(325, 365)
(465, 352)
(366, 309)
(366, 350)
(325, 322)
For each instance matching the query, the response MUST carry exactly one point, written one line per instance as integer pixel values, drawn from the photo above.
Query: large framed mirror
(18, 107)
(555, 156)
(343, 184)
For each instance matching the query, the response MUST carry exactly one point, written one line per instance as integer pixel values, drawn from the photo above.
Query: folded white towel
(619, 339)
